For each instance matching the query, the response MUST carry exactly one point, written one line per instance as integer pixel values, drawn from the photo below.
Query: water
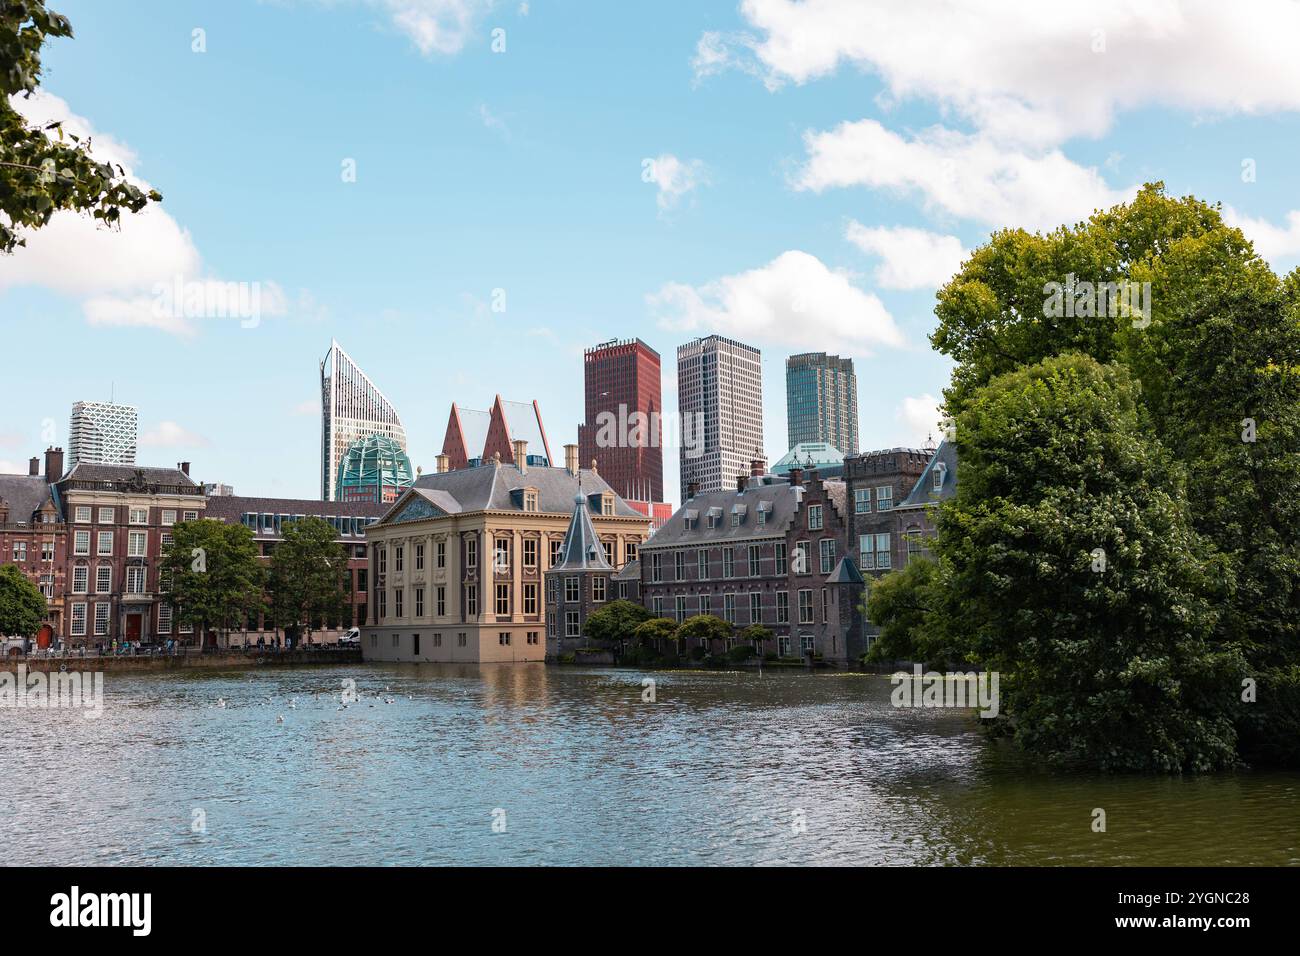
(580, 770)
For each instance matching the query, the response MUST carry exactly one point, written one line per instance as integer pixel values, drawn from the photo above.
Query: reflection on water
(714, 772)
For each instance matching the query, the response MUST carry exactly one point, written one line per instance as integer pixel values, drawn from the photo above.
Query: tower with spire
(578, 583)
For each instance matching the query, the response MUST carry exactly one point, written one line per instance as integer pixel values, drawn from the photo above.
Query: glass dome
(374, 468)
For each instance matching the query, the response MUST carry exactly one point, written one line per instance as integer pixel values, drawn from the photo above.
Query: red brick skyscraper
(622, 385)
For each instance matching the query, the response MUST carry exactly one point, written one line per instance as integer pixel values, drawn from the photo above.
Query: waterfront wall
(164, 662)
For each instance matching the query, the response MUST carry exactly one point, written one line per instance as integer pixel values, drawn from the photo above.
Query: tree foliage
(616, 621)
(43, 170)
(22, 605)
(308, 576)
(211, 573)
(704, 628)
(653, 632)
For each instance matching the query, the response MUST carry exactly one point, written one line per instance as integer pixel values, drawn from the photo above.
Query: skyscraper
(821, 401)
(623, 433)
(352, 407)
(102, 433)
(720, 399)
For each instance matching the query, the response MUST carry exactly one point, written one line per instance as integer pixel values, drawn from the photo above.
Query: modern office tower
(623, 432)
(821, 400)
(102, 433)
(352, 407)
(720, 400)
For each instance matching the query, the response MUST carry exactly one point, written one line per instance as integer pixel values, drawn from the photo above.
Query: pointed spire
(581, 550)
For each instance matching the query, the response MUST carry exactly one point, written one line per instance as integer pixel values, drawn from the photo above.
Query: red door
(44, 636)
(133, 622)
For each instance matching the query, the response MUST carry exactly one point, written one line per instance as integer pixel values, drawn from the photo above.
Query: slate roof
(25, 495)
(92, 471)
(234, 507)
(775, 496)
(497, 487)
(923, 492)
(629, 572)
(845, 572)
(581, 550)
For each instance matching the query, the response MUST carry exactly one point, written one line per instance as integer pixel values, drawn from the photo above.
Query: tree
(45, 170)
(1069, 564)
(901, 604)
(704, 628)
(616, 621)
(757, 635)
(308, 576)
(212, 574)
(654, 631)
(22, 605)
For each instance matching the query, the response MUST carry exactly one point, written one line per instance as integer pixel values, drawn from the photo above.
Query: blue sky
(817, 170)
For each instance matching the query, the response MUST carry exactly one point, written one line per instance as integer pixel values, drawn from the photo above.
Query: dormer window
(530, 499)
(939, 469)
(607, 505)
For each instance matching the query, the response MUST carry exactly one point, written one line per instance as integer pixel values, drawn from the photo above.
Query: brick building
(34, 536)
(877, 482)
(267, 518)
(622, 386)
(578, 583)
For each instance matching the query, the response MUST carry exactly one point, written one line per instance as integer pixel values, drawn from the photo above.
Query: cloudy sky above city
(800, 176)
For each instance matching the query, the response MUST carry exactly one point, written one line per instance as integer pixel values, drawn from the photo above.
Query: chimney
(444, 464)
(185, 467)
(34, 467)
(757, 467)
(521, 455)
(692, 488)
(571, 459)
(796, 476)
(53, 464)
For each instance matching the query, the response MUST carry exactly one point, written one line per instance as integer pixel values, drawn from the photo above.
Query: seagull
(221, 702)
(280, 719)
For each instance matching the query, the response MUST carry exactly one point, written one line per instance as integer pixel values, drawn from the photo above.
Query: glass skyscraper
(821, 401)
(352, 407)
(102, 433)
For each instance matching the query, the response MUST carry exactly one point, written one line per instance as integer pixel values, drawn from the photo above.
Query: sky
(466, 194)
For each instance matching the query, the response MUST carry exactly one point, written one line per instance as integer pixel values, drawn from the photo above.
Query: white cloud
(958, 174)
(794, 300)
(910, 258)
(1030, 71)
(437, 26)
(9, 468)
(172, 435)
(920, 419)
(492, 121)
(116, 273)
(1273, 243)
(675, 178)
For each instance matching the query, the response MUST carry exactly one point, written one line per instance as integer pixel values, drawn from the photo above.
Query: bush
(741, 652)
(715, 660)
(1268, 730)
(698, 653)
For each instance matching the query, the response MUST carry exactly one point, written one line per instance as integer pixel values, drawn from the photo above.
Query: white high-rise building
(102, 433)
(352, 407)
(719, 387)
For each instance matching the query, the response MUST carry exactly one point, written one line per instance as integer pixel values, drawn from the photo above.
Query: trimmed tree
(308, 576)
(22, 605)
(655, 632)
(704, 628)
(615, 621)
(756, 635)
(212, 575)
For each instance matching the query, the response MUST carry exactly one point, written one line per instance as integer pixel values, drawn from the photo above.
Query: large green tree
(308, 578)
(705, 628)
(212, 575)
(22, 605)
(616, 621)
(43, 170)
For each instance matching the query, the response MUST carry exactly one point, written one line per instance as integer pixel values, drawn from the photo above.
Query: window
(442, 600)
(825, 605)
(555, 551)
(805, 606)
(728, 563)
(20, 551)
(104, 547)
(382, 610)
(814, 517)
(530, 598)
(571, 628)
(658, 606)
(629, 549)
(503, 638)
(81, 543)
(397, 602)
(382, 555)
(679, 565)
(80, 579)
(135, 578)
(440, 550)
(437, 640)
(47, 551)
(884, 497)
(530, 554)
(783, 607)
(530, 500)
(82, 516)
(104, 579)
(471, 600)
(656, 568)
(503, 600)
(762, 516)
(735, 518)
(396, 640)
(571, 590)
(534, 637)
(608, 547)
(939, 470)
(607, 505)
(79, 616)
(501, 555)
(105, 517)
(399, 558)
(705, 604)
(102, 610)
(137, 544)
(729, 608)
(419, 557)
(755, 608)
(702, 564)
(471, 552)
(882, 551)
(169, 517)
(862, 501)
(806, 642)
(680, 607)
(139, 516)
(827, 546)
(419, 602)
(164, 618)
(801, 558)
(780, 557)
(460, 640)
(598, 588)
(753, 561)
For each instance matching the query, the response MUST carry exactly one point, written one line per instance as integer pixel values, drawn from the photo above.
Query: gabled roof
(25, 495)
(581, 550)
(923, 492)
(629, 572)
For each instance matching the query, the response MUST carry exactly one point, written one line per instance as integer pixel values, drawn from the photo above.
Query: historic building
(102, 433)
(267, 518)
(771, 552)
(578, 583)
(352, 408)
(475, 437)
(821, 400)
(34, 536)
(877, 482)
(623, 431)
(457, 564)
(720, 403)
(119, 519)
